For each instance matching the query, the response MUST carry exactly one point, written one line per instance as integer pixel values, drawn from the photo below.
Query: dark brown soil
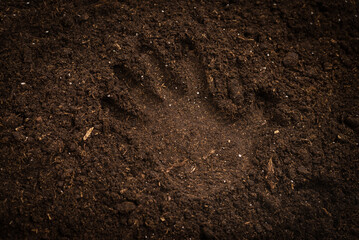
(179, 119)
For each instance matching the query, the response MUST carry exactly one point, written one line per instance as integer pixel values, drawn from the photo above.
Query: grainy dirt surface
(179, 119)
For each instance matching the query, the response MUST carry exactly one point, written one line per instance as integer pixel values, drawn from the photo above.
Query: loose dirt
(179, 120)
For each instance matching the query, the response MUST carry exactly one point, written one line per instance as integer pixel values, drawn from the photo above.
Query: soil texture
(179, 119)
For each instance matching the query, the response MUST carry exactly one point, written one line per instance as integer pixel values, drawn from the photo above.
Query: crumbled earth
(179, 119)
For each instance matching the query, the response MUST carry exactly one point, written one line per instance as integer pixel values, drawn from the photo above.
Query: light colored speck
(22, 83)
(170, 105)
(109, 62)
(311, 23)
(109, 95)
(276, 131)
(163, 11)
(267, 54)
(197, 93)
(312, 13)
(69, 74)
(339, 20)
(27, 3)
(240, 155)
(229, 141)
(286, 96)
(46, 31)
(141, 76)
(33, 43)
(70, 83)
(356, 15)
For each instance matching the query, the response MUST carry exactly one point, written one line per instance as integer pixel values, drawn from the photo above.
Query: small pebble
(291, 59)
